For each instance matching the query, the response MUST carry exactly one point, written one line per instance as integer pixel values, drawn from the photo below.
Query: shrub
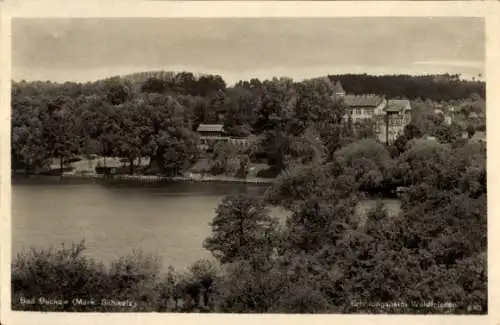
(56, 274)
(65, 274)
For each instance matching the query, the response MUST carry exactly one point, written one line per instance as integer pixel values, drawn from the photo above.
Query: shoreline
(159, 180)
(151, 179)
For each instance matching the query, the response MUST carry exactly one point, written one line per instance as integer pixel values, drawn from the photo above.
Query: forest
(155, 116)
(434, 87)
(325, 258)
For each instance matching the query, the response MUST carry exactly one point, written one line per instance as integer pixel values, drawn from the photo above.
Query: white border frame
(106, 8)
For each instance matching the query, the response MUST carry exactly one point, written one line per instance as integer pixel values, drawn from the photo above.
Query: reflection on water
(170, 221)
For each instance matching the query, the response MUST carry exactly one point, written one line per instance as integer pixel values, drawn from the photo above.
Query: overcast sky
(90, 49)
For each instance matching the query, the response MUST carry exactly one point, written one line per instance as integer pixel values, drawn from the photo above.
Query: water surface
(170, 221)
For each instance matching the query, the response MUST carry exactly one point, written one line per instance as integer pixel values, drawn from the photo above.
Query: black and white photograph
(282, 165)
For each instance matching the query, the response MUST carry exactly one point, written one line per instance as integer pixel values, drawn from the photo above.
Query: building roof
(479, 136)
(429, 137)
(398, 105)
(362, 100)
(338, 88)
(210, 128)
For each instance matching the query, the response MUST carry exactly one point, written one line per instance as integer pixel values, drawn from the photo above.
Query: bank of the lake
(170, 220)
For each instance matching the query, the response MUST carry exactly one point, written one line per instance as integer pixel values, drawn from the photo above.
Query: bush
(66, 274)
(268, 173)
(61, 274)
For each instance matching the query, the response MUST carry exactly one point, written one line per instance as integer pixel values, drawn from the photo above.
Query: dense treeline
(155, 115)
(158, 119)
(326, 257)
(438, 88)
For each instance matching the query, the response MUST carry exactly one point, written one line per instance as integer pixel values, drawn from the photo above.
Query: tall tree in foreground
(242, 230)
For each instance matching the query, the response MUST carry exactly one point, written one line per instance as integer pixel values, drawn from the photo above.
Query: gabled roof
(398, 105)
(362, 100)
(210, 128)
(338, 88)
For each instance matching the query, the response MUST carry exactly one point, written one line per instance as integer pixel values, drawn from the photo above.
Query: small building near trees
(210, 134)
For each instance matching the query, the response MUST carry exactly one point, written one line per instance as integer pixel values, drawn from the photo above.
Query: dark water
(170, 221)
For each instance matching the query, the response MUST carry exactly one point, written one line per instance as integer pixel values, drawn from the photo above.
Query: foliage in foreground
(429, 258)
(66, 274)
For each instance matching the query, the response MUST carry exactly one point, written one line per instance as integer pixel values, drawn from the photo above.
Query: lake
(170, 221)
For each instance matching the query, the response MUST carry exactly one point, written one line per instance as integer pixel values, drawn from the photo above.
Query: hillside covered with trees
(325, 258)
(433, 87)
(155, 115)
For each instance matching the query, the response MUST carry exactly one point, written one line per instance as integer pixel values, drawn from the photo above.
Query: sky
(87, 49)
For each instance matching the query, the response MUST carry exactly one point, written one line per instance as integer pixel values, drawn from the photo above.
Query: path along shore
(152, 179)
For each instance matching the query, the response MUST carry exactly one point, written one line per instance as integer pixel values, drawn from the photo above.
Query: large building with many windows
(387, 117)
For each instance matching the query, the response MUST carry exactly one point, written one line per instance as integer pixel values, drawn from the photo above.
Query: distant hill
(441, 87)
(141, 77)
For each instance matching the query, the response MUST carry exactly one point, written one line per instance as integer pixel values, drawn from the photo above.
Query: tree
(365, 129)
(28, 148)
(366, 160)
(205, 273)
(275, 144)
(130, 144)
(244, 167)
(316, 102)
(224, 159)
(177, 150)
(366, 148)
(411, 131)
(447, 133)
(117, 91)
(423, 161)
(154, 85)
(207, 84)
(277, 104)
(60, 130)
(306, 148)
(241, 115)
(298, 183)
(471, 130)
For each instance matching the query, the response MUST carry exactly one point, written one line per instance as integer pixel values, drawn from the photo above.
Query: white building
(380, 111)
